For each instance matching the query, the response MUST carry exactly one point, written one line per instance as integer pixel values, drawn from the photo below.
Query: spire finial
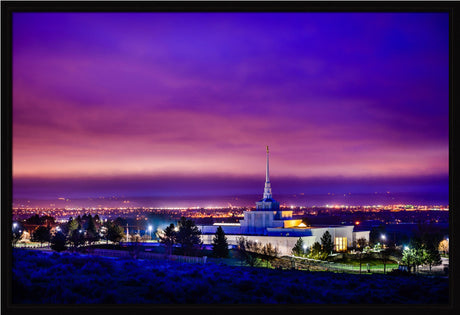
(268, 189)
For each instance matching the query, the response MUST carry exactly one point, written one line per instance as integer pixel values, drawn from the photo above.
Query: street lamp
(150, 231)
(383, 237)
(15, 225)
(304, 248)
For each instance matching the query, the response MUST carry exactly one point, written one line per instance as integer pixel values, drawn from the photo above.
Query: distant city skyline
(183, 104)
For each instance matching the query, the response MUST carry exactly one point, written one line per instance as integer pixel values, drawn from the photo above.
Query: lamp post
(383, 238)
(150, 231)
(304, 248)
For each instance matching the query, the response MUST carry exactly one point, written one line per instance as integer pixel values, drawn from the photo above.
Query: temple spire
(267, 189)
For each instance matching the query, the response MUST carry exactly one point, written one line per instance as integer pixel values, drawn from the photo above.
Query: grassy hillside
(72, 278)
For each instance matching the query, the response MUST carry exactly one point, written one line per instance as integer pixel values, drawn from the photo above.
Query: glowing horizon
(199, 95)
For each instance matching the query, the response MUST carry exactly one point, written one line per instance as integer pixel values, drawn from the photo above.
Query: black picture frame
(9, 7)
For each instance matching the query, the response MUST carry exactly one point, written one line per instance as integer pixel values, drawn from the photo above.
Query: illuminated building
(269, 224)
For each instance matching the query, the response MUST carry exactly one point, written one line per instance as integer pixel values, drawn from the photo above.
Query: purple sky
(351, 101)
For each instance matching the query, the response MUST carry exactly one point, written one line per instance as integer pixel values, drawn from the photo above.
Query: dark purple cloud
(175, 94)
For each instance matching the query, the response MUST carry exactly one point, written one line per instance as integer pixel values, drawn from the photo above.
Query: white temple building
(269, 224)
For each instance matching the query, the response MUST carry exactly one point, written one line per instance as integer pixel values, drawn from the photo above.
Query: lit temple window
(340, 244)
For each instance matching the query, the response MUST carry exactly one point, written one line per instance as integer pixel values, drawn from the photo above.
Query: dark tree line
(255, 254)
(186, 235)
(76, 232)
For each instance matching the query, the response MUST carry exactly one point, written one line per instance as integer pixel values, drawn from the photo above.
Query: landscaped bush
(72, 278)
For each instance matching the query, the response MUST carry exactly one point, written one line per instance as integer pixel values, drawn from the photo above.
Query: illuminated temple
(269, 224)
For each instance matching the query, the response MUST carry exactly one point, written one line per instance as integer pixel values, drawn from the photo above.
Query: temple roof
(267, 200)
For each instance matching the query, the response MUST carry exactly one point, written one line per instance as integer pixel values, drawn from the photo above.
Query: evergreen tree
(220, 244)
(34, 220)
(47, 220)
(316, 250)
(188, 235)
(72, 225)
(92, 234)
(41, 234)
(58, 242)
(326, 243)
(77, 238)
(114, 232)
(97, 222)
(168, 237)
(297, 250)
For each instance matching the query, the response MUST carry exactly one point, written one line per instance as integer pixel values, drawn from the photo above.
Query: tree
(120, 221)
(58, 242)
(432, 258)
(97, 220)
(72, 225)
(77, 238)
(418, 252)
(409, 257)
(377, 247)
(92, 234)
(168, 237)
(376, 233)
(297, 250)
(114, 232)
(220, 244)
(269, 253)
(248, 251)
(17, 234)
(384, 255)
(316, 250)
(41, 234)
(326, 243)
(188, 235)
(47, 220)
(34, 220)
(444, 246)
(361, 243)
(362, 252)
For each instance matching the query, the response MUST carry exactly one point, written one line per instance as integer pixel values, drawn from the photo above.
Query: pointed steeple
(267, 189)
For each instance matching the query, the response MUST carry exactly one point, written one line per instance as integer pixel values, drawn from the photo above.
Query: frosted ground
(72, 278)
